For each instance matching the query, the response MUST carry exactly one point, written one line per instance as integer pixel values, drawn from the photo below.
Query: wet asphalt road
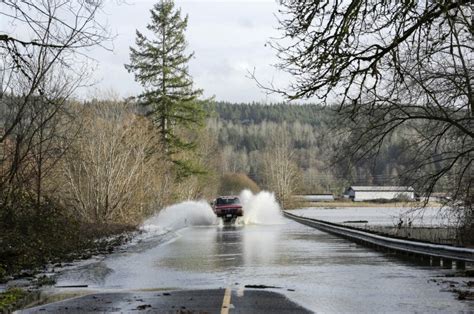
(305, 267)
(199, 301)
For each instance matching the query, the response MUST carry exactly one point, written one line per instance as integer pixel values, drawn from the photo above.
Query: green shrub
(234, 183)
(10, 297)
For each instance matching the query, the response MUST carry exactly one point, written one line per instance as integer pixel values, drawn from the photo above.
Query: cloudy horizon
(228, 39)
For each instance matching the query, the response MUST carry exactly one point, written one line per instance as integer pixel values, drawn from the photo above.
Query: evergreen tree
(160, 66)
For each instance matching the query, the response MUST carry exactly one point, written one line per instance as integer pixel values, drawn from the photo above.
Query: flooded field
(382, 216)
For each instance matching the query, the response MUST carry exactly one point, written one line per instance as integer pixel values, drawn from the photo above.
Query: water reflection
(260, 245)
(224, 248)
(227, 251)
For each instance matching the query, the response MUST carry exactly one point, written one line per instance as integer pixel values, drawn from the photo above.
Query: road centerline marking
(226, 301)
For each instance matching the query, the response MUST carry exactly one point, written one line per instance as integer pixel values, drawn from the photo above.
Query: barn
(367, 193)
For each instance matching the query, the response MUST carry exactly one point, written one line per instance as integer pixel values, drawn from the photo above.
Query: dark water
(327, 274)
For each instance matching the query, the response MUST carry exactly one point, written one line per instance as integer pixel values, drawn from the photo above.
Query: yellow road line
(226, 301)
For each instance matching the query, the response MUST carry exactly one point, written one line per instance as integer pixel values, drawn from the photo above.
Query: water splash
(260, 208)
(178, 216)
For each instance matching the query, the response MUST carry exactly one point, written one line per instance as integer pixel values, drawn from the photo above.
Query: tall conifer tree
(160, 65)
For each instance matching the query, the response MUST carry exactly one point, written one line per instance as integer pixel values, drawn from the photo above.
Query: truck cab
(227, 207)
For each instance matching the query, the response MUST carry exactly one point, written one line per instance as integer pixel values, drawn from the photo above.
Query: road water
(317, 270)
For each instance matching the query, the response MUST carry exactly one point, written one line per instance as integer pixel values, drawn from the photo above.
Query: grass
(9, 298)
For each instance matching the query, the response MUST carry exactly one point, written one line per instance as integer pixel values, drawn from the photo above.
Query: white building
(366, 193)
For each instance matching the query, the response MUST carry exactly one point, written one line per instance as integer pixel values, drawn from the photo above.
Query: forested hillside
(244, 131)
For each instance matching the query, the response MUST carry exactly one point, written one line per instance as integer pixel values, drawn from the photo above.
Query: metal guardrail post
(447, 263)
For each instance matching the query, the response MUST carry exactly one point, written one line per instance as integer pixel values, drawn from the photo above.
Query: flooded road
(319, 271)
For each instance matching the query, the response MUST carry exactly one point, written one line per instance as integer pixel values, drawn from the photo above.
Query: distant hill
(245, 129)
(256, 113)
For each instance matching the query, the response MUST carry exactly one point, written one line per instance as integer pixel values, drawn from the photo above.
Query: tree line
(246, 131)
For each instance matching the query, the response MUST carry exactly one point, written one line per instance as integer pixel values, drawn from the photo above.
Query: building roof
(382, 188)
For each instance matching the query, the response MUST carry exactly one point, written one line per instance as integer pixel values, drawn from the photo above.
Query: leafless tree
(38, 35)
(42, 62)
(113, 171)
(387, 66)
(280, 170)
(38, 140)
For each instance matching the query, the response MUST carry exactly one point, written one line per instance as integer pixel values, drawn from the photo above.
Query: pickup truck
(227, 207)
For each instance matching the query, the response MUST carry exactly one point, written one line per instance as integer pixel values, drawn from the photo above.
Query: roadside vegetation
(9, 298)
(234, 183)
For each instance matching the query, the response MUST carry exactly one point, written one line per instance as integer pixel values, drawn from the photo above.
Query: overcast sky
(228, 38)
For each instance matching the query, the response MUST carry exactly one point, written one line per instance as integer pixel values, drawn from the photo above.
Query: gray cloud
(228, 38)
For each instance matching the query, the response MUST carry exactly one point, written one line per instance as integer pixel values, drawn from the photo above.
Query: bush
(9, 298)
(35, 236)
(234, 183)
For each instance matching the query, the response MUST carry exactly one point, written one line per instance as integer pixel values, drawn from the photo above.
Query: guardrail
(430, 253)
